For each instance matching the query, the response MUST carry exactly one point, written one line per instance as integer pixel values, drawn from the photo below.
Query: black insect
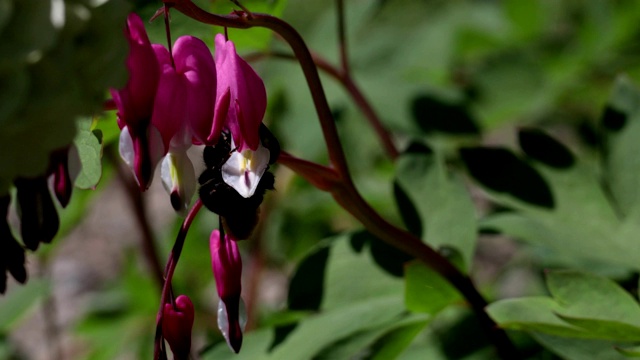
(239, 215)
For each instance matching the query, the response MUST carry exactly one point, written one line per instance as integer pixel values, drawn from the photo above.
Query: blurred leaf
(396, 341)
(579, 349)
(532, 314)
(426, 291)
(527, 17)
(16, 302)
(316, 332)
(120, 319)
(595, 304)
(622, 164)
(441, 200)
(390, 336)
(255, 345)
(631, 352)
(583, 306)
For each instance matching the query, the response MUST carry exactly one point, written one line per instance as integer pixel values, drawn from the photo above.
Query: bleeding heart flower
(177, 322)
(241, 99)
(227, 270)
(138, 141)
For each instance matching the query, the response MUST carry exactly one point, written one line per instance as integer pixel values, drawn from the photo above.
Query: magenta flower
(185, 92)
(176, 326)
(241, 99)
(182, 112)
(227, 270)
(138, 142)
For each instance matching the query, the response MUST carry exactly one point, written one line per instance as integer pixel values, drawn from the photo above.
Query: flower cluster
(168, 105)
(189, 97)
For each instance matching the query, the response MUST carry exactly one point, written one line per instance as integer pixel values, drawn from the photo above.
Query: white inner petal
(244, 170)
(223, 319)
(126, 147)
(178, 175)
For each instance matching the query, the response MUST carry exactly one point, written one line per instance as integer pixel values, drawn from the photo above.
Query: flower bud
(177, 323)
(227, 270)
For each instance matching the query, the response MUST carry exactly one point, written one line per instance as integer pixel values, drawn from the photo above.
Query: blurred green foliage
(493, 95)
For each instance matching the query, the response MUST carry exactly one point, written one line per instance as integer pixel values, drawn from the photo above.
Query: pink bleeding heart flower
(185, 92)
(227, 270)
(241, 99)
(182, 112)
(138, 142)
(177, 323)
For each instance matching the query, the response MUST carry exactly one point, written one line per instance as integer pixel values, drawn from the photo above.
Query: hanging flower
(241, 99)
(140, 144)
(182, 112)
(227, 270)
(177, 322)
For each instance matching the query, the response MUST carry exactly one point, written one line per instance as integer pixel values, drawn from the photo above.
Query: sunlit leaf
(89, 150)
(441, 200)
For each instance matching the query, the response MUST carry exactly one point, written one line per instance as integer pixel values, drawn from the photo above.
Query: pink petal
(194, 61)
(248, 95)
(176, 326)
(226, 264)
(135, 100)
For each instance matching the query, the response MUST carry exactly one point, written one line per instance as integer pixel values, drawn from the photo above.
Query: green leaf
(390, 338)
(441, 200)
(426, 291)
(89, 151)
(351, 277)
(595, 304)
(532, 314)
(578, 196)
(579, 349)
(396, 342)
(632, 352)
(622, 163)
(316, 332)
(19, 300)
(255, 346)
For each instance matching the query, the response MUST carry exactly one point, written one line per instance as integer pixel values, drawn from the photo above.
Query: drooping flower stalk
(174, 256)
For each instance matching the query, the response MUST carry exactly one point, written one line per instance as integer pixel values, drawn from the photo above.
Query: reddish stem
(168, 275)
(353, 89)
